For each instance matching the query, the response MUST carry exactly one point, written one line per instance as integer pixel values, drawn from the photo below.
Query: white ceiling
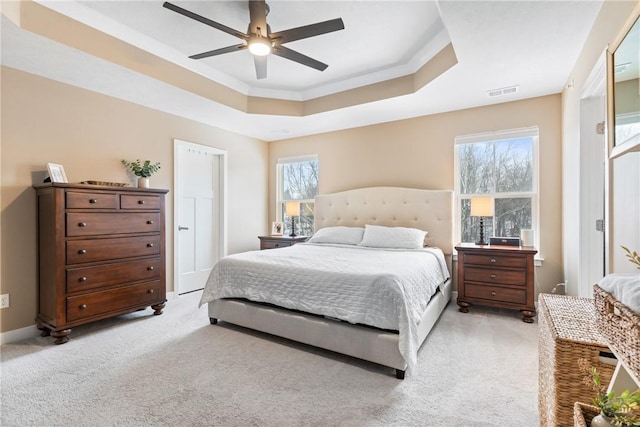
(532, 44)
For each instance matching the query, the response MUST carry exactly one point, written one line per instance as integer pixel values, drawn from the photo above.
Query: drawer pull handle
(277, 245)
(493, 276)
(150, 221)
(82, 224)
(493, 260)
(150, 268)
(82, 279)
(493, 293)
(83, 307)
(141, 202)
(150, 291)
(82, 251)
(93, 201)
(149, 245)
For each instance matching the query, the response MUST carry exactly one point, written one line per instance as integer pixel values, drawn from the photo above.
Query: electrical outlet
(4, 301)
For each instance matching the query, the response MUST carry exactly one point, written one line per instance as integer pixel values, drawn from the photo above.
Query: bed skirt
(371, 344)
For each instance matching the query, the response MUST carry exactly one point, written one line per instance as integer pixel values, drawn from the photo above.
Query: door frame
(594, 87)
(222, 205)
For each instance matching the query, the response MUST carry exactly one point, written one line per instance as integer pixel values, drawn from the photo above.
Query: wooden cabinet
(101, 253)
(273, 242)
(499, 276)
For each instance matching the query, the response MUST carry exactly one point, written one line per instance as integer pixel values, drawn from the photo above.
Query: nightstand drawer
(491, 275)
(496, 261)
(496, 293)
(273, 244)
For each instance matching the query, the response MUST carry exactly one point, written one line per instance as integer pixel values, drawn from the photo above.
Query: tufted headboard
(429, 210)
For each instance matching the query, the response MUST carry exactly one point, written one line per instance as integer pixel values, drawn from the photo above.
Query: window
(503, 165)
(297, 181)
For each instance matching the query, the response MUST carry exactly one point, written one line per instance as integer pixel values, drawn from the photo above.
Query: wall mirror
(624, 93)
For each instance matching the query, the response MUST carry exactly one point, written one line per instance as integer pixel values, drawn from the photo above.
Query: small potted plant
(142, 170)
(622, 410)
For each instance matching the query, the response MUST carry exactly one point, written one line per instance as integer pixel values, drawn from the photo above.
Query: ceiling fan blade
(261, 66)
(298, 57)
(308, 31)
(204, 20)
(220, 51)
(258, 16)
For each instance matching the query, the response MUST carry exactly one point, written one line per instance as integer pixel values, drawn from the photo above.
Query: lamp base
(481, 243)
(293, 228)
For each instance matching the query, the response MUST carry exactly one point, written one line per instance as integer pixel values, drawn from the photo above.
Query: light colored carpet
(475, 369)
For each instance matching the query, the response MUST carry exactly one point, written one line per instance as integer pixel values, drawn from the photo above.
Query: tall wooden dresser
(101, 254)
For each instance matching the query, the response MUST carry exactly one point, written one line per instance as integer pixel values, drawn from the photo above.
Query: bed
(255, 289)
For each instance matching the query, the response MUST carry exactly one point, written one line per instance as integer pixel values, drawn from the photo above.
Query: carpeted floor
(475, 369)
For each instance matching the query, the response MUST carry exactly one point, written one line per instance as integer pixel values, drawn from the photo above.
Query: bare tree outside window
(503, 169)
(299, 182)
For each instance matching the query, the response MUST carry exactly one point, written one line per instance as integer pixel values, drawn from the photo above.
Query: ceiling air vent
(503, 91)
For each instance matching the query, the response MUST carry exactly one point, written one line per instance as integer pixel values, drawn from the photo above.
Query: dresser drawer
(92, 224)
(494, 275)
(77, 200)
(496, 293)
(87, 278)
(79, 251)
(118, 299)
(129, 201)
(497, 261)
(273, 244)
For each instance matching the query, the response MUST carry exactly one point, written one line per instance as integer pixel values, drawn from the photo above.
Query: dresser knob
(93, 201)
(82, 279)
(149, 245)
(150, 268)
(277, 245)
(82, 251)
(83, 307)
(150, 291)
(493, 260)
(141, 202)
(493, 276)
(493, 293)
(82, 224)
(150, 221)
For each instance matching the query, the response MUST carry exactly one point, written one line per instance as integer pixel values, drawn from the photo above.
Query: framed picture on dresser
(56, 173)
(277, 227)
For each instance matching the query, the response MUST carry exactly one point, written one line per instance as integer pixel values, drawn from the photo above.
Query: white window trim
(532, 131)
(279, 163)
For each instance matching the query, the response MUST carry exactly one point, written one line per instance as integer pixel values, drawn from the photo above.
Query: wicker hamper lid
(572, 318)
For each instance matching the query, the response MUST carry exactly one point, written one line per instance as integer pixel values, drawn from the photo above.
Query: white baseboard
(32, 331)
(19, 334)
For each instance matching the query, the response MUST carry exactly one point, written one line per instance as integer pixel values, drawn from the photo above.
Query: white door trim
(222, 210)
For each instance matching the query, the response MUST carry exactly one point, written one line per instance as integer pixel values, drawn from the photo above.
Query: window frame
(279, 184)
(531, 131)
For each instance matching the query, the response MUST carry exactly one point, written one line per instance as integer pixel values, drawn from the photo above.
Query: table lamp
(481, 207)
(292, 209)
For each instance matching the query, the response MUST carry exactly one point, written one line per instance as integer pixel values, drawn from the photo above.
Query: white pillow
(338, 235)
(378, 236)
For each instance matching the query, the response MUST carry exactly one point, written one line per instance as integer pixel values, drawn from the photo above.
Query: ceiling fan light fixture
(259, 46)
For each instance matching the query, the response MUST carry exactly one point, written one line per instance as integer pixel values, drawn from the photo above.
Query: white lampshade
(293, 208)
(482, 206)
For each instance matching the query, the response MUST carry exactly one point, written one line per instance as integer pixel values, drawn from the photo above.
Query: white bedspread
(385, 288)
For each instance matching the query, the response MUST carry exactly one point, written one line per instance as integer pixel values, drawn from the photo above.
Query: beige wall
(611, 18)
(88, 133)
(419, 153)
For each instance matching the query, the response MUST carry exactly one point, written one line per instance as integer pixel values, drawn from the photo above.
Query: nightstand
(272, 242)
(498, 276)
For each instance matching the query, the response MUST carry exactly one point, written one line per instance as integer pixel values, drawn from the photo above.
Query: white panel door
(199, 211)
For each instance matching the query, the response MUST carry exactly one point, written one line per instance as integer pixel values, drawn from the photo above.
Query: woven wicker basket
(620, 326)
(567, 333)
(583, 414)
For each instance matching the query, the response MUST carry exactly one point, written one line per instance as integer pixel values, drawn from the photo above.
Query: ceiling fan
(261, 41)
